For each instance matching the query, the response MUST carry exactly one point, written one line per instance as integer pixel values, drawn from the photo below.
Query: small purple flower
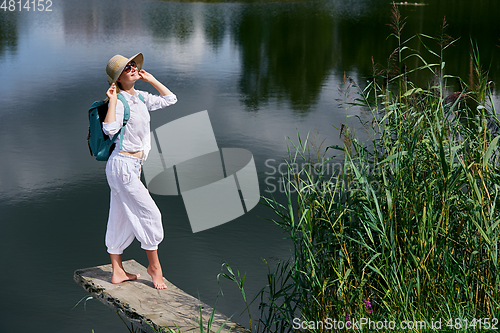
(348, 319)
(368, 306)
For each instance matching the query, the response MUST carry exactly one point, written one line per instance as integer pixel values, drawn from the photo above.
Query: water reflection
(90, 20)
(172, 22)
(287, 54)
(287, 50)
(215, 25)
(8, 34)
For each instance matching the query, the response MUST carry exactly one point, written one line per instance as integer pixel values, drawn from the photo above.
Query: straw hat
(115, 65)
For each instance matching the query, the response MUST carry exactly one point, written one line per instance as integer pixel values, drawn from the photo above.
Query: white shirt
(137, 131)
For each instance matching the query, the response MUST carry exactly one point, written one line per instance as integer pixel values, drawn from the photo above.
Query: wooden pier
(149, 309)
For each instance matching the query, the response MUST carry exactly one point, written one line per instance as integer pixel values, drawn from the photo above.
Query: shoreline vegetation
(408, 229)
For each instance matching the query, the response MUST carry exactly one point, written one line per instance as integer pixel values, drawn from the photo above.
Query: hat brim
(139, 61)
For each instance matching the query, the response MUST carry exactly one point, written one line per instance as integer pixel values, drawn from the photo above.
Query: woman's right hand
(111, 93)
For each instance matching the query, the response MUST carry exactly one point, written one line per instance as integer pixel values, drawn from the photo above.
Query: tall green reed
(409, 223)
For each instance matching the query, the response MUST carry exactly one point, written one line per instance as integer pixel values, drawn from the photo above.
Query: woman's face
(130, 74)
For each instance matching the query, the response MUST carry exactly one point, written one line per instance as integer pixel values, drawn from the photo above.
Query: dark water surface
(263, 70)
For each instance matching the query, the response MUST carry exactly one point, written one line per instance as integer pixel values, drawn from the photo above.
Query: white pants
(132, 211)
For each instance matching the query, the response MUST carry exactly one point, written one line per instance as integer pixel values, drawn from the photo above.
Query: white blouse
(137, 131)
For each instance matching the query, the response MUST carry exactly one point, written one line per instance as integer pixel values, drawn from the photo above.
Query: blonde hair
(118, 87)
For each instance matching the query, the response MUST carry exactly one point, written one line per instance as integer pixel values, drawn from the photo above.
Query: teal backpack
(100, 145)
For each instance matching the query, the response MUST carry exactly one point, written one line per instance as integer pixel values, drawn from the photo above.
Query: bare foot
(122, 276)
(157, 276)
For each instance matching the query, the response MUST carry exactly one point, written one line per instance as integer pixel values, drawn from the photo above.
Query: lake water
(263, 70)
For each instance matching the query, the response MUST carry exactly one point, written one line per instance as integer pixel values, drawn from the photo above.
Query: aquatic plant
(409, 225)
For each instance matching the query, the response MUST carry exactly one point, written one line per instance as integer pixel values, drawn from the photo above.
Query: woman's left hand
(145, 76)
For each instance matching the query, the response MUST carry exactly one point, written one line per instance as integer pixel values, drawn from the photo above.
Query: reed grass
(408, 228)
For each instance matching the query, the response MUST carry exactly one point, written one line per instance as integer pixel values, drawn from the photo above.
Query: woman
(132, 212)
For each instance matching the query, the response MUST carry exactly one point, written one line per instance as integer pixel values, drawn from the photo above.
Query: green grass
(408, 229)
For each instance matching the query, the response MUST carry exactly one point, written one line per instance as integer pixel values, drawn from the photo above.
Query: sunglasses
(128, 68)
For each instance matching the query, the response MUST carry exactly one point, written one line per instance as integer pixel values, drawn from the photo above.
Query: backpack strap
(126, 117)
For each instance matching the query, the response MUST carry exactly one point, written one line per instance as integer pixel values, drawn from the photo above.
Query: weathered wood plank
(144, 306)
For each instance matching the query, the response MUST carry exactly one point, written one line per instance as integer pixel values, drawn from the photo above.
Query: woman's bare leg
(119, 274)
(154, 269)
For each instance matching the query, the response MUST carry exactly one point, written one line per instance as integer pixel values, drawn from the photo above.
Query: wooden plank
(147, 308)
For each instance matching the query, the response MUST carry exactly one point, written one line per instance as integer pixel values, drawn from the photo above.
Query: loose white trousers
(132, 211)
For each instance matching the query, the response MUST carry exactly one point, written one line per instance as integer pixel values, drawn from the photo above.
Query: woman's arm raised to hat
(111, 115)
(147, 77)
